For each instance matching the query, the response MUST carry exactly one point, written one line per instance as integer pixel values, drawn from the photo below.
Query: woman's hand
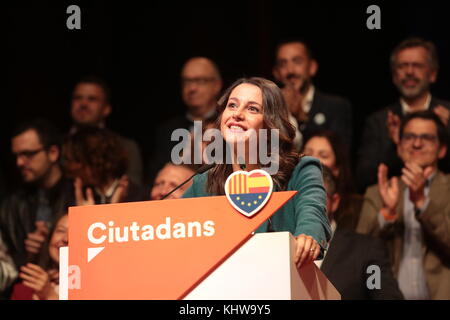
(36, 278)
(121, 191)
(80, 198)
(307, 250)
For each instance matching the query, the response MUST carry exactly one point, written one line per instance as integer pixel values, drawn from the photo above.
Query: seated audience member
(97, 162)
(328, 148)
(414, 67)
(91, 106)
(170, 177)
(295, 67)
(28, 213)
(41, 281)
(8, 271)
(349, 256)
(411, 212)
(201, 84)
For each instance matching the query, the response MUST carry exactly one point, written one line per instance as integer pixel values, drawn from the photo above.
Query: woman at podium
(248, 106)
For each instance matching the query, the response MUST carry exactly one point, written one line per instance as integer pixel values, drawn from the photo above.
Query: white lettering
(91, 233)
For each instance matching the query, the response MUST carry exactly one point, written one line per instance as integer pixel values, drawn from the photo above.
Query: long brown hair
(276, 116)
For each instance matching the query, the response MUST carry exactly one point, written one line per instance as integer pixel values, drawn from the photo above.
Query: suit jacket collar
(397, 107)
(435, 193)
(337, 244)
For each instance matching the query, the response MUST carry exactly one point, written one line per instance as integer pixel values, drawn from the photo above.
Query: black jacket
(337, 116)
(18, 215)
(346, 263)
(376, 147)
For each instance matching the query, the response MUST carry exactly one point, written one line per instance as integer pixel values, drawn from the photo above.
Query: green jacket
(304, 213)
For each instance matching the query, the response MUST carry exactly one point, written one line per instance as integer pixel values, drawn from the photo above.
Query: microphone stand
(200, 170)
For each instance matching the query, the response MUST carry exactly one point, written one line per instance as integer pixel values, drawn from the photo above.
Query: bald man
(170, 177)
(201, 84)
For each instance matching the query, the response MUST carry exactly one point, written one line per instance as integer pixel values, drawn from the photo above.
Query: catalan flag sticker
(248, 192)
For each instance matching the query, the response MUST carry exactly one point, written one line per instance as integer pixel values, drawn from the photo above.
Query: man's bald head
(201, 84)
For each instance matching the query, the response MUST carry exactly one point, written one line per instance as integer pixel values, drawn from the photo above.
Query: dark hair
(48, 134)
(329, 181)
(99, 82)
(276, 116)
(98, 149)
(290, 40)
(344, 181)
(427, 115)
(414, 42)
(44, 259)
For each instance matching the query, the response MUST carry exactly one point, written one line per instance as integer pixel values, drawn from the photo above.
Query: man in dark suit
(295, 68)
(201, 84)
(350, 258)
(414, 66)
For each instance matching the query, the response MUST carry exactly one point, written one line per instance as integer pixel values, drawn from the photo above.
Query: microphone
(241, 163)
(200, 170)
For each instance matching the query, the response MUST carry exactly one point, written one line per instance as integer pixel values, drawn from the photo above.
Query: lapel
(335, 251)
(396, 108)
(315, 105)
(436, 186)
(433, 103)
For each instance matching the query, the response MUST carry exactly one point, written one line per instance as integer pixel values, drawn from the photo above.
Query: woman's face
(244, 111)
(320, 148)
(59, 238)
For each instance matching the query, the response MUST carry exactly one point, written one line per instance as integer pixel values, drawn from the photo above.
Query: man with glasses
(411, 212)
(201, 84)
(414, 67)
(27, 214)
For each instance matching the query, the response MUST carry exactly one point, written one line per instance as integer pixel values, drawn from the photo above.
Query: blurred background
(139, 50)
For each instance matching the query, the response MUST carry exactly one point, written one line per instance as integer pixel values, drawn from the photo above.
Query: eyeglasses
(28, 154)
(412, 137)
(198, 81)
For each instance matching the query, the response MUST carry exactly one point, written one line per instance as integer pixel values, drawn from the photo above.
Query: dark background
(140, 47)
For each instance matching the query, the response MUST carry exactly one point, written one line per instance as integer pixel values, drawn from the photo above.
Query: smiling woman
(41, 281)
(257, 104)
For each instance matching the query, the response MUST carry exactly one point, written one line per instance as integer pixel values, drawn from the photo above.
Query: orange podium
(153, 249)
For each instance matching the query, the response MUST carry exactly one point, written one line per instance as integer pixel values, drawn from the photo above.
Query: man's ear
(276, 74)
(218, 87)
(433, 76)
(313, 67)
(336, 200)
(442, 151)
(106, 111)
(53, 153)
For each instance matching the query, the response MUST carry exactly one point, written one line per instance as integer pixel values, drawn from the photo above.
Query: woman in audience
(329, 149)
(41, 281)
(97, 161)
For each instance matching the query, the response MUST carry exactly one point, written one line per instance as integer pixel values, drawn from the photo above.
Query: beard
(413, 92)
(302, 84)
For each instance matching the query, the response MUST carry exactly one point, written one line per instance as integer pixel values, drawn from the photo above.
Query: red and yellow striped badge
(248, 192)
